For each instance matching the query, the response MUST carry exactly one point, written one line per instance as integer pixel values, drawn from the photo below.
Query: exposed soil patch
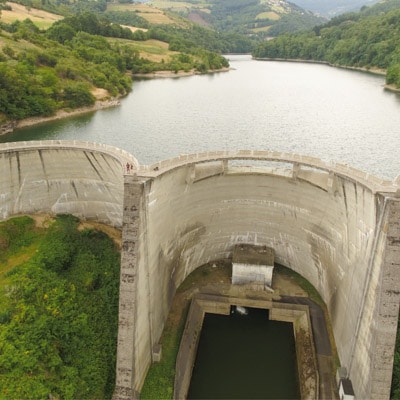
(114, 233)
(45, 220)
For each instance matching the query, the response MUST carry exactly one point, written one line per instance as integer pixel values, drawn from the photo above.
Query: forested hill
(63, 67)
(255, 18)
(367, 39)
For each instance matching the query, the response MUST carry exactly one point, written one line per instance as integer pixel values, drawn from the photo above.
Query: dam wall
(336, 226)
(61, 177)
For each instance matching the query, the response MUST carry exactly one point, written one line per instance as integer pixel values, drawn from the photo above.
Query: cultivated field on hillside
(151, 14)
(40, 18)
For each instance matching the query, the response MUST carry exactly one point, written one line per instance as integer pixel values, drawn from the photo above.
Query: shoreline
(179, 74)
(11, 126)
(374, 71)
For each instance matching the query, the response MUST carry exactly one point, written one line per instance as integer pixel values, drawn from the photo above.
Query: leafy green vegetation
(63, 65)
(58, 323)
(253, 18)
(368, 39)
(15, 235)
(159, 383)
(47, 76)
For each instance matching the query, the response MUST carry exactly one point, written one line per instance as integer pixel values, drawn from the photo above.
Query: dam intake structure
(336, 226)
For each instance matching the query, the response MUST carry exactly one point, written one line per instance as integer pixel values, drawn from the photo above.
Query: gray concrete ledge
(121, 155)
(299, 164)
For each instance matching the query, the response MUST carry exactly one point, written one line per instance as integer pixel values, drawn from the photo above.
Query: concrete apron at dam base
(289, 303)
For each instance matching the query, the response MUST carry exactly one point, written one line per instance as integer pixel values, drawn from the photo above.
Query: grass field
(180, 6)
(268, 15)
(153, 50)
(262, 29)
(150, 14)
(40, 18)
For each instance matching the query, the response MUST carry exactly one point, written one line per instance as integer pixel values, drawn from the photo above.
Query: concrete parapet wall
(60, 177)
(324, 221)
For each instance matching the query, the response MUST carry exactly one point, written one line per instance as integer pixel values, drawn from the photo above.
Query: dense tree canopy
(63, 65)
(365, 39)
(59, 312)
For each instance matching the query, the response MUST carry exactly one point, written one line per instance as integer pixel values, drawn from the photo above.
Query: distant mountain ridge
(330, 8)
(257, 18)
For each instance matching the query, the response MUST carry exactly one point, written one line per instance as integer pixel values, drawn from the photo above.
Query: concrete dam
(336, 226)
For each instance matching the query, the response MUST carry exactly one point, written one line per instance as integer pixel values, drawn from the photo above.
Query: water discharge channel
(245, 357)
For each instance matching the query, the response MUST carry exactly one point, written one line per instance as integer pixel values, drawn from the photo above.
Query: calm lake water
(334, 114)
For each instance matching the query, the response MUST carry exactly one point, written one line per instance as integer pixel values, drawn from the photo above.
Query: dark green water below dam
(245, 357)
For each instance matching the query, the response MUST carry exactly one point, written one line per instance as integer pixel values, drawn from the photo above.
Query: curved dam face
(60, 177)
(337, 227)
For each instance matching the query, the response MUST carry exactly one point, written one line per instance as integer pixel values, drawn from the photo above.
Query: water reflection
(334, 114)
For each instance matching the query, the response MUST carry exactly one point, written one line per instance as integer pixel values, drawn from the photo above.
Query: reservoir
(335, 114)
(230, 366)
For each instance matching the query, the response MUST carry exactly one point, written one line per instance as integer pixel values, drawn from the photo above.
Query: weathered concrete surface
(253, 264)
(305, 351)
(336, 226)
(57, 177)
(133, 356)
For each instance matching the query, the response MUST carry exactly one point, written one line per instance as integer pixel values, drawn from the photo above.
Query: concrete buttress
(128, 352)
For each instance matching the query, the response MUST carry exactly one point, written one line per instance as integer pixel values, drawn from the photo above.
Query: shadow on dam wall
(336, 226)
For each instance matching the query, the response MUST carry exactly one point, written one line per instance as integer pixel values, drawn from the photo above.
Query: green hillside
(256, 18)
(59, 315)
(367, 39)
(43, 71)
